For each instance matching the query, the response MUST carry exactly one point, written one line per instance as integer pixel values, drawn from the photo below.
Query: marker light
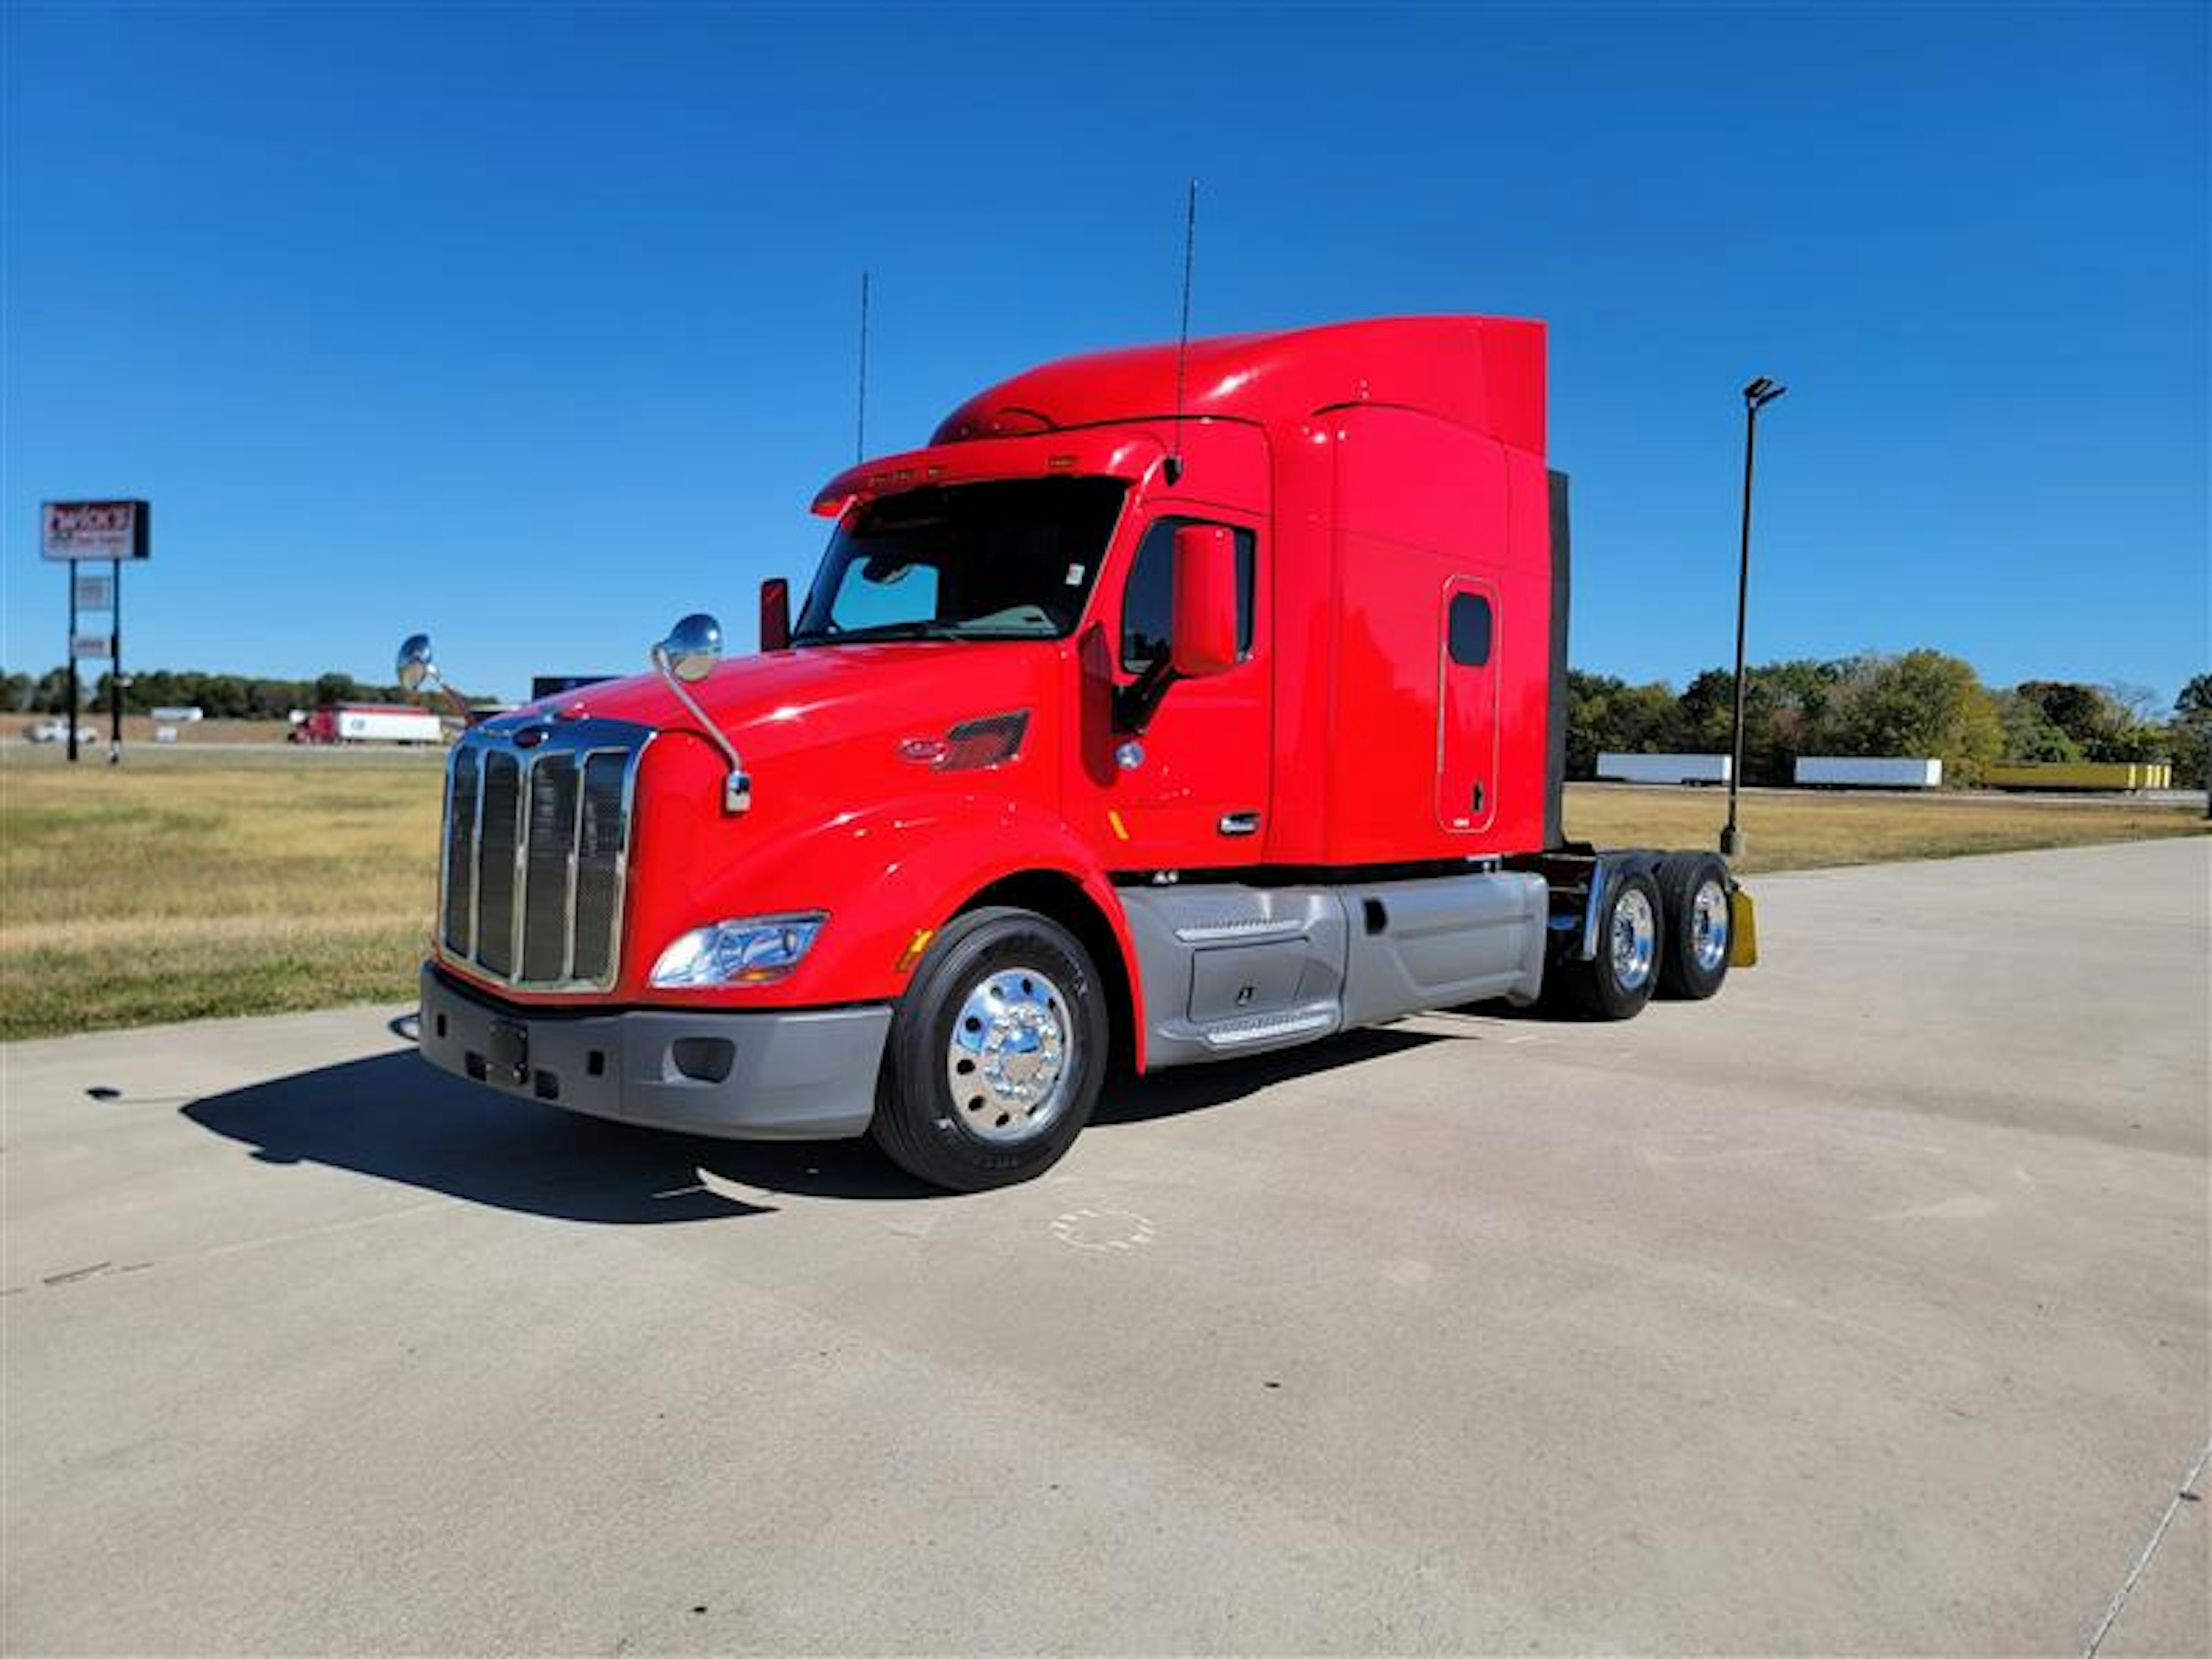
(748, 950)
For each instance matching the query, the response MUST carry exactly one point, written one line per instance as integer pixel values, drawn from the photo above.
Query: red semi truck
(1171, 705)
(367, 722)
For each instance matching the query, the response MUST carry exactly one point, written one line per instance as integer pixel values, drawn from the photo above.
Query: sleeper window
(1470, 629)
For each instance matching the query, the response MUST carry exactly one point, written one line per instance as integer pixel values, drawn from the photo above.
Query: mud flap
(1743, 930)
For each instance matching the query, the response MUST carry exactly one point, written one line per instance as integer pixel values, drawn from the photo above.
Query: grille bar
(496, 874)
(546, 849)
(601, 824)
(536, 850)
(457, 916)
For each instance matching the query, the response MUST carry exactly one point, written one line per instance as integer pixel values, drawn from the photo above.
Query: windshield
(1012, 559)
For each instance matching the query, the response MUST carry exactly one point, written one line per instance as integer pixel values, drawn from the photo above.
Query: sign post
(72, 667)
(72, 532)
(115, 667)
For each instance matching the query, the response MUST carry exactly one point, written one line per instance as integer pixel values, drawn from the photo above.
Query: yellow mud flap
(1743, 930)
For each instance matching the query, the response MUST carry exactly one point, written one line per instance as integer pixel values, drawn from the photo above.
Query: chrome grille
(537, 846)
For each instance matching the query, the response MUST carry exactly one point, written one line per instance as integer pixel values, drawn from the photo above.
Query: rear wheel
(1693, 887)
(996, 1054)
(1616, 983)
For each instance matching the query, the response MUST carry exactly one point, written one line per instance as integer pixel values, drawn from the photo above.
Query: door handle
(1240, 823)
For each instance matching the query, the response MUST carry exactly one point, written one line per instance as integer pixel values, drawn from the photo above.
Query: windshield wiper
(893, 630)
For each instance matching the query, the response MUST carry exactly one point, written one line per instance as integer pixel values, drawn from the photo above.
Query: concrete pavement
(1863, 1310)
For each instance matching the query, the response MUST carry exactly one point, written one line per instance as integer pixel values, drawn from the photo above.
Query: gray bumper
(781, 1075)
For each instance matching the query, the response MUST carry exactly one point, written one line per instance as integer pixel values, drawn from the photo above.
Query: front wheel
(996, 1054)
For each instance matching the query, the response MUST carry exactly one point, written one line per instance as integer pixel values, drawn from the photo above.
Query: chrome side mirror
(687, 656)
(692, 649)
(415, 668)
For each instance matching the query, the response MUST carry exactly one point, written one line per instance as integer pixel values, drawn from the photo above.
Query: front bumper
(779, 1074)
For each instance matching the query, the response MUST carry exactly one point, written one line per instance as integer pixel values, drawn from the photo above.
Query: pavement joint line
(233, 1247)
(2185, 1493)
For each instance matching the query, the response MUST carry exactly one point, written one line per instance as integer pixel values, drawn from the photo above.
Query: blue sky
(534, 325)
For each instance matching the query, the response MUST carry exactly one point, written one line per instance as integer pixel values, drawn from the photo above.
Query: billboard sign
(95, 530)
(95, 593)
(89, 645)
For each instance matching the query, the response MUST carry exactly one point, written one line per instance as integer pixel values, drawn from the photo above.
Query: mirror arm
(737, 788)
(415, 654)
(459, 704)
(1135, 703)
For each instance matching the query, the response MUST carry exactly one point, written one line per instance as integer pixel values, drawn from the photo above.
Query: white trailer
(1869, 772)
(388, 726)
(1662, 769)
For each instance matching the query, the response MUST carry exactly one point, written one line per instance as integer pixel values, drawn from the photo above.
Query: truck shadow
(1195, 1088)
(392, 1118)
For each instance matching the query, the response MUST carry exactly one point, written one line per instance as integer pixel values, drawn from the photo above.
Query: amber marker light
(914, 947)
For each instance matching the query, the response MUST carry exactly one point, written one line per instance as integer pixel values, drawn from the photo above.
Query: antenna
(860, 420)
(1182, 338)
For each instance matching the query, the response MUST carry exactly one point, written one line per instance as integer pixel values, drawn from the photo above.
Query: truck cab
(1170, 705)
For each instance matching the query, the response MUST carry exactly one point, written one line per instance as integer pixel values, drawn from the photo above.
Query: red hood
(782, 700)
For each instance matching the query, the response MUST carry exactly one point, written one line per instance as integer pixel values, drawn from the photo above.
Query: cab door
(1467, 705)
(1191, 790)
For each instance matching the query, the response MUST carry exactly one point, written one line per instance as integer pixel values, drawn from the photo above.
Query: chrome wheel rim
(1709, 926)
(1635, 938)
(1011, 1056)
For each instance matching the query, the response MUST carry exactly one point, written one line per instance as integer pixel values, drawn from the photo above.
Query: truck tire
(996, 1054)
(1693, 891)
(1620, 979)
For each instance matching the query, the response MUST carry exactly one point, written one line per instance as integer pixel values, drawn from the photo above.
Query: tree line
(1921, 703)
(1918, 702)
(219, 696)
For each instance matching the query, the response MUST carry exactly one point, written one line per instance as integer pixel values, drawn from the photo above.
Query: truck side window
(1148, 601)
(1468, 627)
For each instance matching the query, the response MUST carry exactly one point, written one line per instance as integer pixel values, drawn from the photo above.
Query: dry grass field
(185, 884)
(1790, 829)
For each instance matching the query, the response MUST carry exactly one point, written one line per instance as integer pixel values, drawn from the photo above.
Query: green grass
(185, 884)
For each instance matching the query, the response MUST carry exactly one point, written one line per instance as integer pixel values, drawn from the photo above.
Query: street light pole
(1756, 396)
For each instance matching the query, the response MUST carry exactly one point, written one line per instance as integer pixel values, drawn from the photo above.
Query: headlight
(749, 950)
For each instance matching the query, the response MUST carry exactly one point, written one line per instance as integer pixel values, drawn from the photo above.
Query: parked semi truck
(368, 723)
(1172, 705)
